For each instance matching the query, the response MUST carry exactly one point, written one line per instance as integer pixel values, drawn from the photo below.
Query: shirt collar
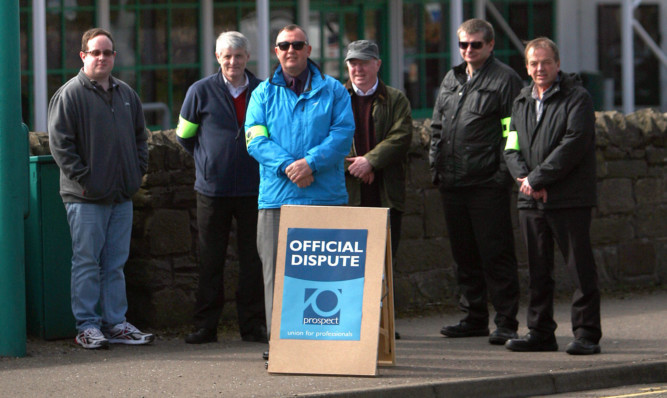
(235, 91)
(551, 88)
(303, 77)
(372, 90)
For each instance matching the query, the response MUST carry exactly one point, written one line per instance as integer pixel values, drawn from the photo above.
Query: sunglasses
(476, 45)
(298, 45)
(97, 53)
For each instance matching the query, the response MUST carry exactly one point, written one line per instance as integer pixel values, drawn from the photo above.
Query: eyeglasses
(97, 53)
(476, 45)
(298, 45)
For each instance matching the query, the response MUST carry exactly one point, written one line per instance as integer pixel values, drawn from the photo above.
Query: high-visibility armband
(506, 125)
(512, 141)
(255, 131)
(185, 128)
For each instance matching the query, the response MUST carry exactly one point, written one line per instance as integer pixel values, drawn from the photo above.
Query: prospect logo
(322, 306)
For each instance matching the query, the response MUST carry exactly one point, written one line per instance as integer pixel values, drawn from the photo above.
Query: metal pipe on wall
(396, 51)
(263, 26)
(303, 14)
(455, 20)
(40, 89)
(208, 36)
(13, 188)
(627, 56)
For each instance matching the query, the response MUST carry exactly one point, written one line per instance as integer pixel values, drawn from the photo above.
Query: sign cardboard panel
(329, 287)
(387, 344)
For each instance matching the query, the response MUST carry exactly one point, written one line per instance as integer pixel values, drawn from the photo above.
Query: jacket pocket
(479, 159)
(483, 102)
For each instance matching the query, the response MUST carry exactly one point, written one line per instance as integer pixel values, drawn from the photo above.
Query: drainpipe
(455, 20)
(13, 188)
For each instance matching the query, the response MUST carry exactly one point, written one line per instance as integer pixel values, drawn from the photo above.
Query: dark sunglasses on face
(284, 45)
(463, 45)
(97, 53)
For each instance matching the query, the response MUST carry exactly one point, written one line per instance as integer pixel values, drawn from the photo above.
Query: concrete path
(634, 350)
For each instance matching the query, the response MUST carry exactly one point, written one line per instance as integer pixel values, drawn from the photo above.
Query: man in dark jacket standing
(551, 153)
(468, 132)
(375, 169)
(98, 139)
(227, 180)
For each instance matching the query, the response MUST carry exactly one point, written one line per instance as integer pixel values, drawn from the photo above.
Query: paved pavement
(634, 350)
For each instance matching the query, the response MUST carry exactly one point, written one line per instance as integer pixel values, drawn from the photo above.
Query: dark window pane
(182, 80)
(184, 36)
(53, 41)
(153, 37)
(75, 26)
(647, 92)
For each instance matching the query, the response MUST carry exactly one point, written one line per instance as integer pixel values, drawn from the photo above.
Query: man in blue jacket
(227, 179)
(299, 127)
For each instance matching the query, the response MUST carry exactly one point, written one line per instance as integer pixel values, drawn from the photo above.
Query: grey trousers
(268, 221)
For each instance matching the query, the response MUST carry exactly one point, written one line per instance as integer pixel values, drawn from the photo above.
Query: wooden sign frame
(375, 341)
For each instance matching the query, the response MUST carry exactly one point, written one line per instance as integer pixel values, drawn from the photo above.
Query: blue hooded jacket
(317, 126)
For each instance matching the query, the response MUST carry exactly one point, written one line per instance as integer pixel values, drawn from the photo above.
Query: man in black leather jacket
(469, 125)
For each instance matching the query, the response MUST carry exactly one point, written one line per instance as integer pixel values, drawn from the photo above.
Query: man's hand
(300, 173)
(526, 189)
(361, 168)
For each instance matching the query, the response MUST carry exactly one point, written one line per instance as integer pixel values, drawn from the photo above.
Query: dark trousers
(570, 229)
(482, 241)
(214, 220)
(395, 221)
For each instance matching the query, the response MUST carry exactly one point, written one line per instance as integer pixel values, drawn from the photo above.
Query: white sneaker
(91, 338)
(126, 333)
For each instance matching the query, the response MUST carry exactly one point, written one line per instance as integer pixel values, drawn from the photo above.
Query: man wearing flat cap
(375, 168)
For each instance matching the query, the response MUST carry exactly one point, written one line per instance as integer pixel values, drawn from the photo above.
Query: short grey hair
(232, 39)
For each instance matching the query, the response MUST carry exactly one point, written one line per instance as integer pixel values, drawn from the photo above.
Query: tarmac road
(634, 351)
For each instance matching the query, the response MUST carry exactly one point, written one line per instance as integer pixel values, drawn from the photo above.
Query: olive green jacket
(393, 133)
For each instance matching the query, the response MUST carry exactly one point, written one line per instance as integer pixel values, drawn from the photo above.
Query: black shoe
(397, 336)
(501, 335)
(257, 336)
(464, 329)
(265, 355)
(202, 336)
(582, 346)
(533, 342)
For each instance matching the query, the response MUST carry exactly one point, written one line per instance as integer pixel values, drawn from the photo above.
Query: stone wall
(629, 228)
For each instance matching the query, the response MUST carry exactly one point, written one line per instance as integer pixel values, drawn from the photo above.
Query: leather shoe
(582, 346)
(533, 341)
(265, 355)
(501, 335)
(202, 336)
(464, 329)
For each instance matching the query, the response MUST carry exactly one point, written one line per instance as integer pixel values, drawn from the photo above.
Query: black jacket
(558, 152)
(208, 130)
(467, 137)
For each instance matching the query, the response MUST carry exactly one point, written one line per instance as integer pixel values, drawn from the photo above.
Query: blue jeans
(100, 247)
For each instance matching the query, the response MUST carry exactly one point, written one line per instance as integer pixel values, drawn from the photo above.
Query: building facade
(163, 46)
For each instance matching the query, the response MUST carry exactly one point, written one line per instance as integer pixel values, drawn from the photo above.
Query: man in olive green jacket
(375, 169)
